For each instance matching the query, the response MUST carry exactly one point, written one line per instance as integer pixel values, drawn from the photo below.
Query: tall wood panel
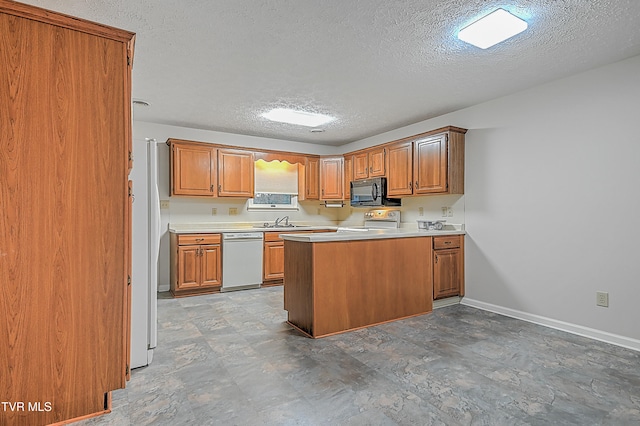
(65, 117)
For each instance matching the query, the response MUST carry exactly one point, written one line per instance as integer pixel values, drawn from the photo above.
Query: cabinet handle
(447, 242)
(211, 188)
(436, 259)
(410, 185)
(416, 184)
(370, 169)
(219, 188)
(199, 239)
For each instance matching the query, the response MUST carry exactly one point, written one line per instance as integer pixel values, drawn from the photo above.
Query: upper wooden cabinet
(311, 188)
(430, 164)
(193, 169)
(235, 173)
(205, 170)
(369, 163)
(438, 163)
(65, 227)
(400, 169)
(348, 176)
(331, 178)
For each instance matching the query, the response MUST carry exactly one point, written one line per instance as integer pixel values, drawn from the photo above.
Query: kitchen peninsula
(335, 282)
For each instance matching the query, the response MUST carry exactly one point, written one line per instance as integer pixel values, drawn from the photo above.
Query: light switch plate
(233, 211)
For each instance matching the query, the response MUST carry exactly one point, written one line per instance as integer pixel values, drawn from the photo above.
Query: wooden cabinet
(193, 169)
(235, 173)
(65, 149)
(400, 169)
(273, 259)
(448, 266)
(438, 163)
(348, 177)
(369, 163)
(430, 164)
(195, 264)
(331, 178)
(311, 187)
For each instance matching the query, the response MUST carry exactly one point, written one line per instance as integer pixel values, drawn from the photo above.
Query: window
(265, 201)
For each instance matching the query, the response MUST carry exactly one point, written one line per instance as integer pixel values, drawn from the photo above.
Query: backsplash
(410, 210)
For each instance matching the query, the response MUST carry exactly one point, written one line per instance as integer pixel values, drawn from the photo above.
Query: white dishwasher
(241, 260)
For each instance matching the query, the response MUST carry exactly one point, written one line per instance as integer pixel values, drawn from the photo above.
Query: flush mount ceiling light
(302, 118)
(493, 28)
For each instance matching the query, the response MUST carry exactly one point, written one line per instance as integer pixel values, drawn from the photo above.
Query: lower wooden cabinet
(195, 264)
(273, 259)
(448, 266)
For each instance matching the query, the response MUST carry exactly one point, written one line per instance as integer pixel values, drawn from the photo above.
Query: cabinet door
(376, 162)
(312, 178)
(348, 177)
(331, 180)
(193, 169)
(210, 263)
(361, 166)
(189, 268)
(235, 173)
(447, 276)
(273, 260)
(430, 164)
(400, 169)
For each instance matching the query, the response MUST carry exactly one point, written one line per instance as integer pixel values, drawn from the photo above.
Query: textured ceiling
(376, 65)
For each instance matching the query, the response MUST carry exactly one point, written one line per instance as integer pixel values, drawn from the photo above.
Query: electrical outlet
(449, 211)
(233, 211)
(214, 211)
(420, 211)
(164, 204)
(444, 211)
(602, 299)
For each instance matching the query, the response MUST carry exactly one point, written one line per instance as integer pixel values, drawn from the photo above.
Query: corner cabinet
(448, 266)
(331, 178)
(193, 169)
(65, 158)
(195, 264)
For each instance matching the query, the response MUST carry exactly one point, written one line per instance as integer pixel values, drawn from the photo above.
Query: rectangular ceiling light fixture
(302, 118)
(493, 28)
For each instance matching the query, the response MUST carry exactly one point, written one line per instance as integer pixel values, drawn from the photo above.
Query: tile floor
(230, 359)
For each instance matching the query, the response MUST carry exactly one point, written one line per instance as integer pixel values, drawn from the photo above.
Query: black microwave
(371, 193)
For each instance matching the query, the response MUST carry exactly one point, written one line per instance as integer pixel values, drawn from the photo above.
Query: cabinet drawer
(272, 236)
(445, 242)
(190, 239)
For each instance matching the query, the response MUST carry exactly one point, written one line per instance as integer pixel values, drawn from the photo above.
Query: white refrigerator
(145, 250)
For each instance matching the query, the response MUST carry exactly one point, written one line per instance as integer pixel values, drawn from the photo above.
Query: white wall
(552, 199)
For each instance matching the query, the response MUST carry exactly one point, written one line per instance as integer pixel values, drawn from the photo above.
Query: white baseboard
(441, 303)
(162, 288)
(603, 336)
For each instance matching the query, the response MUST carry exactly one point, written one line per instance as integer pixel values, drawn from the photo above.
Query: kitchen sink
(271, 225)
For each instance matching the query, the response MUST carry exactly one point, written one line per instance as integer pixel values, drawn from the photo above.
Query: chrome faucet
(285, 219)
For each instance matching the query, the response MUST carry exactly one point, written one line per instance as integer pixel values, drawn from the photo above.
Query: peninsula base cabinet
(195, 264)
(448, 266)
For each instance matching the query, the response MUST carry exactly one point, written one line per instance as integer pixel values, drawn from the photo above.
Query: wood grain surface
(64, 244)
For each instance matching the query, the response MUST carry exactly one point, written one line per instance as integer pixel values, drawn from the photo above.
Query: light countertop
(290, 233)
(371, 234)
(216, 228)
